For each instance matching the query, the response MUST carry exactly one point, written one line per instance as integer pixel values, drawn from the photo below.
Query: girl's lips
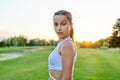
(59, 33)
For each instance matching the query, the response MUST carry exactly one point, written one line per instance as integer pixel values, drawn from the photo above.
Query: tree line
(23, 41)
(112, 41)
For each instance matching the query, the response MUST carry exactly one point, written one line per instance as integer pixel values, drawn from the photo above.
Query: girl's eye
(55, 24)
(64, 23)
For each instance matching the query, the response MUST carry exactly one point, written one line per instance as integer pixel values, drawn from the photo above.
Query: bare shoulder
(69, 44)
(68, 47)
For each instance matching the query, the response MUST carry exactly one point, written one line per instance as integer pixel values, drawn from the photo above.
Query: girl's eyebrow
(64, 21)
(61, 21)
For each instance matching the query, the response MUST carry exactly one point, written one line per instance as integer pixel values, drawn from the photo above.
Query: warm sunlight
(34, 19)
(36, 40)
(91, 34)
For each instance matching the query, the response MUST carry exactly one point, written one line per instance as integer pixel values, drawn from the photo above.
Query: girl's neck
(60, 39)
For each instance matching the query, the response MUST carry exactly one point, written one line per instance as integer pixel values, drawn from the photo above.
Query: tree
(22, 40)
(114, 40)
(2, 43)
(116, 28)
(105, 45)
(43, 42)
(14, 41)
(53, 42)
(34, 42)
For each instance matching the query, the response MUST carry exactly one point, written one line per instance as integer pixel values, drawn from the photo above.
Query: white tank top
(55, 59)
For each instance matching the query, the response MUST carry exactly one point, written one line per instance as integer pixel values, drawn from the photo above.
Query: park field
(91, 64)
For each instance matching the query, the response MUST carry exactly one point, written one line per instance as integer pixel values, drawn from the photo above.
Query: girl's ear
(71, 25)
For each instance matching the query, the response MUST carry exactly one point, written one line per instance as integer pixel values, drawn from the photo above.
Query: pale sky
(92, 19)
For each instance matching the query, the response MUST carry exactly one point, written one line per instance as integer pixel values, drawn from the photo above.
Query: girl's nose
(59, 28)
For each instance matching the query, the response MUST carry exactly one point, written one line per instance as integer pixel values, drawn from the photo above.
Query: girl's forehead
(60, 17)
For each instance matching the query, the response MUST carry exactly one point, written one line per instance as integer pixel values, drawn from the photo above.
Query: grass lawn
(96, 64)
(91, 64)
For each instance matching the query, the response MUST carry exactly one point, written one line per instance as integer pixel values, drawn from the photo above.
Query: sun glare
(92, 35)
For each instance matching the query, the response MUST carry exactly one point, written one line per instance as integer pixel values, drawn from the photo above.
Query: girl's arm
(67, 52)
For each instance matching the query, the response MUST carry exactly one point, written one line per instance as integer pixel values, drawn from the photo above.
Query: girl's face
(62, 26)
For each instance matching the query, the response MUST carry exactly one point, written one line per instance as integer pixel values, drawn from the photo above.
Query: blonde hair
(69, 16)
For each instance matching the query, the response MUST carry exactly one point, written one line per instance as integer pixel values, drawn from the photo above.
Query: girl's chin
(62, 37)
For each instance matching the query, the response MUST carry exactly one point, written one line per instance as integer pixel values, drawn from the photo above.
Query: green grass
(31, 66)
(1, 56)
(95, 64)
(13, 49)
(91, 64)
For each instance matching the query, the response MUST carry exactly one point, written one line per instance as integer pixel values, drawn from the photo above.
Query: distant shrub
(105, 45)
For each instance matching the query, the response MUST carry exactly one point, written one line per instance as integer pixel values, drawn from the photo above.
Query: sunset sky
(92, 19)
